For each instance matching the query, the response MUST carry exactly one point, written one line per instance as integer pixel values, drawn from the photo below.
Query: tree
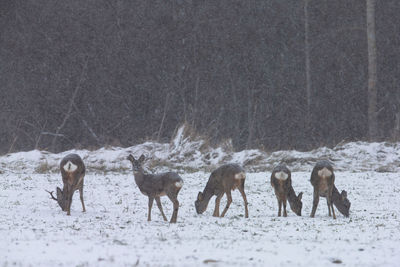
(372, 74)
(307, 61)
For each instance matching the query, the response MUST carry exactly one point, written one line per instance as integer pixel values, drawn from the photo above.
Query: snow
(114, 231)
(188, 152)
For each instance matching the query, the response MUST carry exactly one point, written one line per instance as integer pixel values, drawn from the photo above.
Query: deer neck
(338, 202)
(291, 195)
(336, 197)
(139, 177)
(207, 194)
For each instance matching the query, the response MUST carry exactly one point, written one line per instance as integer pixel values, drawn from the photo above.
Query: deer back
(322, 169)
(159, 184)
(72, 171)
(281, 179)
(227, 177)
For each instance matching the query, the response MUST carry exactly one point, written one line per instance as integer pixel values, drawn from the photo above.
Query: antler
(51, 194)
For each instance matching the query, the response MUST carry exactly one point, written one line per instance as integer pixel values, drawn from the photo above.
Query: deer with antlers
(72, 172)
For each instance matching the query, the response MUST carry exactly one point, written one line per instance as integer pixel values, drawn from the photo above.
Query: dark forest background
(117, 72)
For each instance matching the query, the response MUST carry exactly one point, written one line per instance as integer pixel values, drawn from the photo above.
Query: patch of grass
(104, 169)
(161, 237)
(119, 242)
(44, 167)
(187, 169)
(98, 168)
(253, 161)
(157, 163)
(207, 261)
(336, 261)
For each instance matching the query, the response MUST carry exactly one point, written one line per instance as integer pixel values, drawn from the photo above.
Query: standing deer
(323, 181)
(72, 172)
(222, 181)
(157, 185)
(281, 181)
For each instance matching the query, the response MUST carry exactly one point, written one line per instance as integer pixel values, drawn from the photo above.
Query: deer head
(343, 205)
(296, 205)
(200, 203)
(136, 164)
(59, 198)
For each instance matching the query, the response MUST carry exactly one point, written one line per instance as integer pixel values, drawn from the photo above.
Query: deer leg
(68, 204)
(65, 197)
(151, 199)
(279, 208)
(217, 201)
(61, 199)
(175, 201)
(330, 204)
(329, 207)
(67, 193)
(241, 190)
(228, 203)
(81, 197)
(315, 203)
(333, 211)
(284, 208)
(160, 208)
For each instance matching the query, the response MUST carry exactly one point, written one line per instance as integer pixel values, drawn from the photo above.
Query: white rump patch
(281, 175)
(240, 176)
(324, 173)
(179, 184)
(70, 167)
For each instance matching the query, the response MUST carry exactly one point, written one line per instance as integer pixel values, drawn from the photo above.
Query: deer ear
(300, 195)
(200, 196)
(141, 159)
(344, 194)
(130, 157)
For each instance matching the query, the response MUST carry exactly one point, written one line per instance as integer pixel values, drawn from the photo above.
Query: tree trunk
(396, 130)
(307, 62)
(372, 75)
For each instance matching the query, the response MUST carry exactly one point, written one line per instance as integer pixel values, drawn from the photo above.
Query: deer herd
(222, 181)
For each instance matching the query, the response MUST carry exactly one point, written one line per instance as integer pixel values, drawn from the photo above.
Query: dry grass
(44, 167)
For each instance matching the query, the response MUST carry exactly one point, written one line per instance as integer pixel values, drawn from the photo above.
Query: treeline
(97, 72)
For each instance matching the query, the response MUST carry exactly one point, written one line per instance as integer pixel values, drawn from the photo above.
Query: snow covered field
(114, 231)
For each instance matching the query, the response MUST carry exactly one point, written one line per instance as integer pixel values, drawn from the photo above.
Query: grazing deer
(157, 185)
(323, 181)
(72, 171)
(281, 181)
(222, 181)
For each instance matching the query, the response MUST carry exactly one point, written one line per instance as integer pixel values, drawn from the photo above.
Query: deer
(281, 181)
(72, 171)
(155, 186)
(222, 181)
(323, 181)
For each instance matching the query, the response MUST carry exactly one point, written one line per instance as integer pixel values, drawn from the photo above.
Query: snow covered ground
(114, 230)
(188, 152)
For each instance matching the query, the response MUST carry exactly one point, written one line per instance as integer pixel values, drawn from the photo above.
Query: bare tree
(274, 74)
(307, 59)
(372, 75)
